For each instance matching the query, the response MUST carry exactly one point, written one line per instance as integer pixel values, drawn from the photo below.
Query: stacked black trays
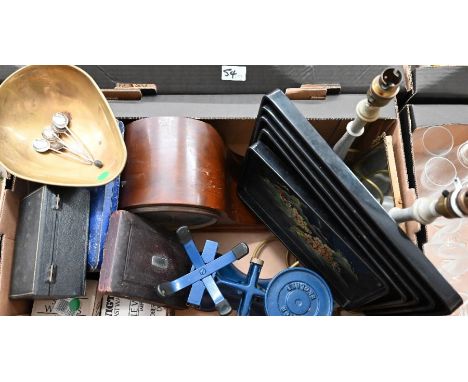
(304, 193)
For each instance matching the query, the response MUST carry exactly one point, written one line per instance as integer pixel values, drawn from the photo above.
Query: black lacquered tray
(315, 205)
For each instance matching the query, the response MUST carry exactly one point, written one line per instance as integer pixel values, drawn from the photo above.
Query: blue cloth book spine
(104, 201)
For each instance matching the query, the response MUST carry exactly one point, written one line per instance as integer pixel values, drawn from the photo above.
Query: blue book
(104, 201)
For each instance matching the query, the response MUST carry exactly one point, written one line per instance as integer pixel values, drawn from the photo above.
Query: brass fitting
(256, 260)
(445, 208)
(384, 87)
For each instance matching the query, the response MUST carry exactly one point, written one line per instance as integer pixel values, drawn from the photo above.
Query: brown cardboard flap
(306, 93)
(237, 106)
(123, 94)
(408, 195)
(9, 209)
(9, 307)
(330, 88)
(408, 77)
(400, 189)
(400, 163)
(9, 204)
(273, 252)
(145, 89)
(236, 133)
(392, 169)
(412, 227)
(312, 91)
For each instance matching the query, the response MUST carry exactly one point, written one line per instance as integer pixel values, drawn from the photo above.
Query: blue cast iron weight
(203, 271)
(234, 296)
(298, 292)
(249, 288)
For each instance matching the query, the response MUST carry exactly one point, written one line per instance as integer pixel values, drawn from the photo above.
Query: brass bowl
(28, 99)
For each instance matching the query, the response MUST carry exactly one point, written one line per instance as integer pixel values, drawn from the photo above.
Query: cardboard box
(11, 192)
(218, 79)
(233, 115)
(425, 116)
(447, 250)
(435, 84)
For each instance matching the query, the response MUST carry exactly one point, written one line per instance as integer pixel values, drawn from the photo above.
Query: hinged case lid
(51, 244)
(138, 257)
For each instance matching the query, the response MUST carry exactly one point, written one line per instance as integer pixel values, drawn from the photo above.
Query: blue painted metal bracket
(198, 288)
(249, 288)
(203, 270)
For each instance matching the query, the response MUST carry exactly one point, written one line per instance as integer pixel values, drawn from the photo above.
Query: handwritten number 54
(229, 72)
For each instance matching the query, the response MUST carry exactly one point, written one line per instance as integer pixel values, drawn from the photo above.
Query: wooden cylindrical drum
(175, 171)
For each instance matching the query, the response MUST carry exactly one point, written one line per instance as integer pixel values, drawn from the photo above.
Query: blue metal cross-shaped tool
(249, 287)
(203, 270)
(198, 288)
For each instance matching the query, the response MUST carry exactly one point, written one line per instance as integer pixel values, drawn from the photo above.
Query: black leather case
(51, 244)
(138, 257)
